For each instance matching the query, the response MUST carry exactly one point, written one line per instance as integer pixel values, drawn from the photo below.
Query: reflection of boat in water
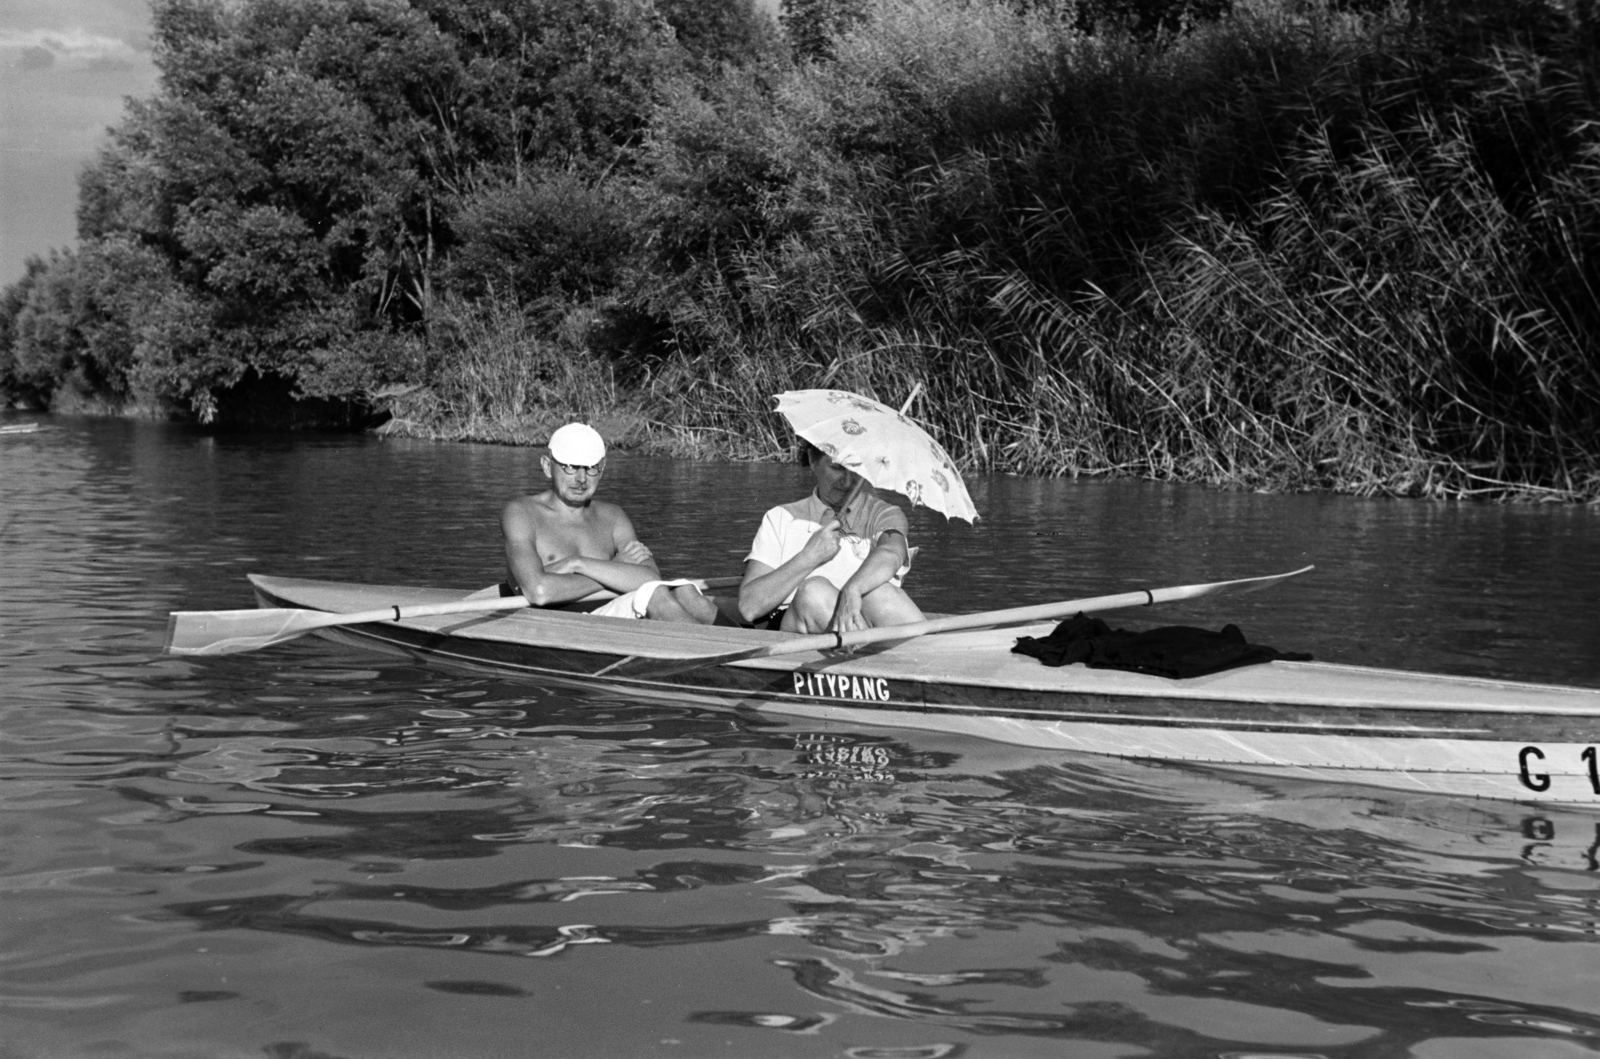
(1467, 836)
(1424, 733)
(955, 885)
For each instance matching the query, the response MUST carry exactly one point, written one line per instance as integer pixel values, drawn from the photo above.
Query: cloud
(65, 68)
(40, 49)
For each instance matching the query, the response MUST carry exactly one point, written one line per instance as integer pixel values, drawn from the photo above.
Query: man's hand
(635, 553)
(847, 612)
(823, 545)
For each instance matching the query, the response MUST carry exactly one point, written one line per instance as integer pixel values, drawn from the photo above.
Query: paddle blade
(226, 632)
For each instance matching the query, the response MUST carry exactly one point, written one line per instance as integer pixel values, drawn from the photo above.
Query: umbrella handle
(845, 510)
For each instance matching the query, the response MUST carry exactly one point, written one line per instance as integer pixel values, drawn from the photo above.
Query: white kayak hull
(1401, 730)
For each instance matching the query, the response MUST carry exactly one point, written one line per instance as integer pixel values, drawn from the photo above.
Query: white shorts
(636, 604)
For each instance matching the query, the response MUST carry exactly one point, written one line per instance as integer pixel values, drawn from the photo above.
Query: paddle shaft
(232, 631)
(460, 606)
(424, 610)
(1143, 597)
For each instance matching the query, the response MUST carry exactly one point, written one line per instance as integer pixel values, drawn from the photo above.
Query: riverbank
(1018, 448)
(1141, 395)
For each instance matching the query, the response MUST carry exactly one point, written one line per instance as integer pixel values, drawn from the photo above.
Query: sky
(65, 68)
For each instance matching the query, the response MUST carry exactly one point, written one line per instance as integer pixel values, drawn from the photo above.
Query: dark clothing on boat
(772, 622)
(1170, 651)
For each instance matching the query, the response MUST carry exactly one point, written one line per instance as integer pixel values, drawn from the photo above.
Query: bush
(547, 243)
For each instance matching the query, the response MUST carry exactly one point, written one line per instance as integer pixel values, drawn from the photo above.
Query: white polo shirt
(786, 528)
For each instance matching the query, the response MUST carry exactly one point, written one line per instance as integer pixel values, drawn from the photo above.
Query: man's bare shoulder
(607, 512)
(530, 506)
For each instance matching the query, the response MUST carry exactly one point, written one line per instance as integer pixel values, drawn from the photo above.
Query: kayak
(1420, 732)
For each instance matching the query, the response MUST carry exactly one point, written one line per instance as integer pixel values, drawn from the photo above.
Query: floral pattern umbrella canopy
(881, 445)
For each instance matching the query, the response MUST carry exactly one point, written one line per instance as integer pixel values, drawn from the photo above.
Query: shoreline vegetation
(1273, 244)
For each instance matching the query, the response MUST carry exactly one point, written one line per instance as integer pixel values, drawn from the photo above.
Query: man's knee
(890, 605)
(682, 603)
(812, 607)
(693, 603)
(662, 607)
(816, 593)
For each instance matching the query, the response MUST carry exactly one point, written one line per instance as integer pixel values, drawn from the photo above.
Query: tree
(14, 384)
(82, 320)
(546, 243)
(302, 166)
(720, 32)
(554, 83)
(812, 25)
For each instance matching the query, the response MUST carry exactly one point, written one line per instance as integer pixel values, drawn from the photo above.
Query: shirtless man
(563, 546)
(835, 557)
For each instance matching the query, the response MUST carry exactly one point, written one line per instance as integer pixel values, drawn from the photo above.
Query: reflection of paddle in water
(825, 979)
(766, 1020)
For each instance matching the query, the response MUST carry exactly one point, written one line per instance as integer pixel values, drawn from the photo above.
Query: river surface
(310, 852)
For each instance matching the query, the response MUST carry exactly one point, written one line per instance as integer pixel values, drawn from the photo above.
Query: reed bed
(496, 377)
(1297, 249)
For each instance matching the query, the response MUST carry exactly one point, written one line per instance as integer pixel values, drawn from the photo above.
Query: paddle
(225, 632)
(1143, 597)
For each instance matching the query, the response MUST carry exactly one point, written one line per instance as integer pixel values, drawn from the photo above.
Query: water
(315, 853)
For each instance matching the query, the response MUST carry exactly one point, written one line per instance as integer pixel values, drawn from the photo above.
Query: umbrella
(881, 445)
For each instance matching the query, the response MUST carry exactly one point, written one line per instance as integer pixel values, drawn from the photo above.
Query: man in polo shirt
(565, 548)
(835, 558)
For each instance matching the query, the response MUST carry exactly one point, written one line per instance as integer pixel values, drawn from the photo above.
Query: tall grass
(1385, 335)
(1299, 248)
(493, 377)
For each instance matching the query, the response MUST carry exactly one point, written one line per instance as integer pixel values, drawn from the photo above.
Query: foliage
(497, 378)
(552, 83)
(85, 321)
(1146, 18)
(1191, 260)
(550, 241)
(718, 33)
(813, 26)
(1272, 243)
(20, 387)
(303, 165)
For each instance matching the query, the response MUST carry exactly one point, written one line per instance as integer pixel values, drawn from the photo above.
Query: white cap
(579, 444)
